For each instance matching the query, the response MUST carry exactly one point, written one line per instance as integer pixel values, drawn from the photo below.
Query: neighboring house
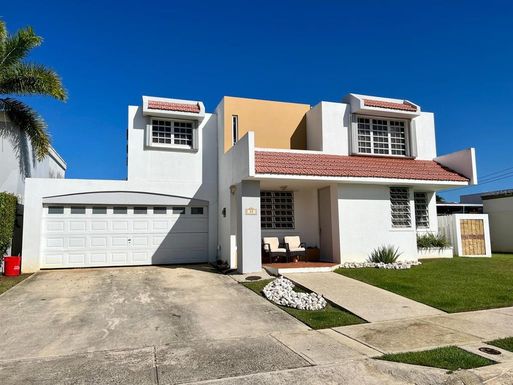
(17, 162)
(347, 177)
(499, 207)
(449, 208)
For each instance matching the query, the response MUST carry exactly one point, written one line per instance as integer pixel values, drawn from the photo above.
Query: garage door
(87, 236)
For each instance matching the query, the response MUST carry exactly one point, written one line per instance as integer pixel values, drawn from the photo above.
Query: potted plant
(8, 204)
(431, 245)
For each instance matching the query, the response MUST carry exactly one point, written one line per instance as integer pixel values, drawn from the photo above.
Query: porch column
(249, 259)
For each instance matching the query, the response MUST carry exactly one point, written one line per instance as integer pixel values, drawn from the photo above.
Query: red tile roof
(289, 163)
(169, 106)
(404, 106)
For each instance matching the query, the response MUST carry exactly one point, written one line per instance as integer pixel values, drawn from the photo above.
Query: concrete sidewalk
(368, 302)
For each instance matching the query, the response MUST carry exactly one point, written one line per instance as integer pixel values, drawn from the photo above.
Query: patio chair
(273, 248)
(294, 246)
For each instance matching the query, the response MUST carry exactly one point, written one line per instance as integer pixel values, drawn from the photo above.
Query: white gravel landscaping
(402, 265)
(281, 292)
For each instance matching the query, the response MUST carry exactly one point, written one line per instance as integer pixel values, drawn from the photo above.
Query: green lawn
(452, 285)
(503, 343)
(7, 282)
(328, 317)
(450, 358)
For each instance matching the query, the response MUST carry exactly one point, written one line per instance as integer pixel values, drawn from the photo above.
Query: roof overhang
(173, 108)
(434, 185)
(379, 106)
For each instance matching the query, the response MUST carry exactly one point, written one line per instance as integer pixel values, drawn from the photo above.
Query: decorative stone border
(402, 265)
(281, 292)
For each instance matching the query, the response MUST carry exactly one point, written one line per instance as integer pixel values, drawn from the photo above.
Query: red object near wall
(12, 266)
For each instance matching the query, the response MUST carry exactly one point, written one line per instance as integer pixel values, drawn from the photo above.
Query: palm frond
(30, 122)
(30, 79)
(3, 37)
(17, 46)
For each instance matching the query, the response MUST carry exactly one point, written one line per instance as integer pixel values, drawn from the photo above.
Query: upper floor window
(174, 133)
(235, 129)
(379, 136)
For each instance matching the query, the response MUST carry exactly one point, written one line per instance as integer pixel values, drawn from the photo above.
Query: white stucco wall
(463, 162)
(500, 215)
(249, 257)
(234, 166)
(176, 166)
(328, 128)
(423, 138)
(365, 223)
(17, 161)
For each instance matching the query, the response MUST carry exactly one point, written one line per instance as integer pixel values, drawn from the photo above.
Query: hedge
(7, 218)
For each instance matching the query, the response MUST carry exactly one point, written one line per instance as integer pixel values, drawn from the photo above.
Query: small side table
(313, 254)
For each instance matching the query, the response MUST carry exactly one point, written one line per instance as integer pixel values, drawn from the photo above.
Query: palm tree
(21, 78)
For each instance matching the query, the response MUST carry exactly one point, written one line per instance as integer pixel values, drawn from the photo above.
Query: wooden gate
(472, 236)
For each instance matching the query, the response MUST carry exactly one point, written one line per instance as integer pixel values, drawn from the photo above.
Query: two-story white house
(347, 177)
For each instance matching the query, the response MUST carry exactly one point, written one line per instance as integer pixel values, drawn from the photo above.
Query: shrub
(428, 240)
(7, 219)
(384, 254)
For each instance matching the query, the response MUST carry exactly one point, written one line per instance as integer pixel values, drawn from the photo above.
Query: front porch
(299, 267)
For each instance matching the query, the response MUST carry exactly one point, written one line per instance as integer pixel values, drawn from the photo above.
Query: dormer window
(380, 136)
(179, 134)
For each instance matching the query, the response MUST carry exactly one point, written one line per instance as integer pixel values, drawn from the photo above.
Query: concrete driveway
(75, 326)
(158, 325)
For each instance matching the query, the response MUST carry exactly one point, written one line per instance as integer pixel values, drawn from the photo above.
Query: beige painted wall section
(276, 124)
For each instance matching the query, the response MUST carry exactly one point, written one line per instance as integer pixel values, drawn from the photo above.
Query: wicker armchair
(294, 246)
(273, 249)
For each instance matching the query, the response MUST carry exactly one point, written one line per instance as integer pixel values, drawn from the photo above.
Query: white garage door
(86, 236)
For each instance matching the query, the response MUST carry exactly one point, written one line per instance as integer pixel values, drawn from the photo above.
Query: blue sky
(454, 58)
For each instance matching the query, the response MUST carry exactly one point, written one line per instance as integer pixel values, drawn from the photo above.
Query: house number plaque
(251, 211)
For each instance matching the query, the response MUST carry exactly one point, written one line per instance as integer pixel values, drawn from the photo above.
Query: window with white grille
(421, 210)
(380, 136)
(277, 210)
(400, 204)
(172, 132)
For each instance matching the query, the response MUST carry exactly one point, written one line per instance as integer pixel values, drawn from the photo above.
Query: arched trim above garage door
(122, 198)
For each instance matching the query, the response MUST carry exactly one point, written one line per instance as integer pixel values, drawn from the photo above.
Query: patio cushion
(293, 241)
(296, 249)
(273, 242)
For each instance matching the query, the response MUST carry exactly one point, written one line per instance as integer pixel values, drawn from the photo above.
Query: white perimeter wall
(365, 223)
(500, 216)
